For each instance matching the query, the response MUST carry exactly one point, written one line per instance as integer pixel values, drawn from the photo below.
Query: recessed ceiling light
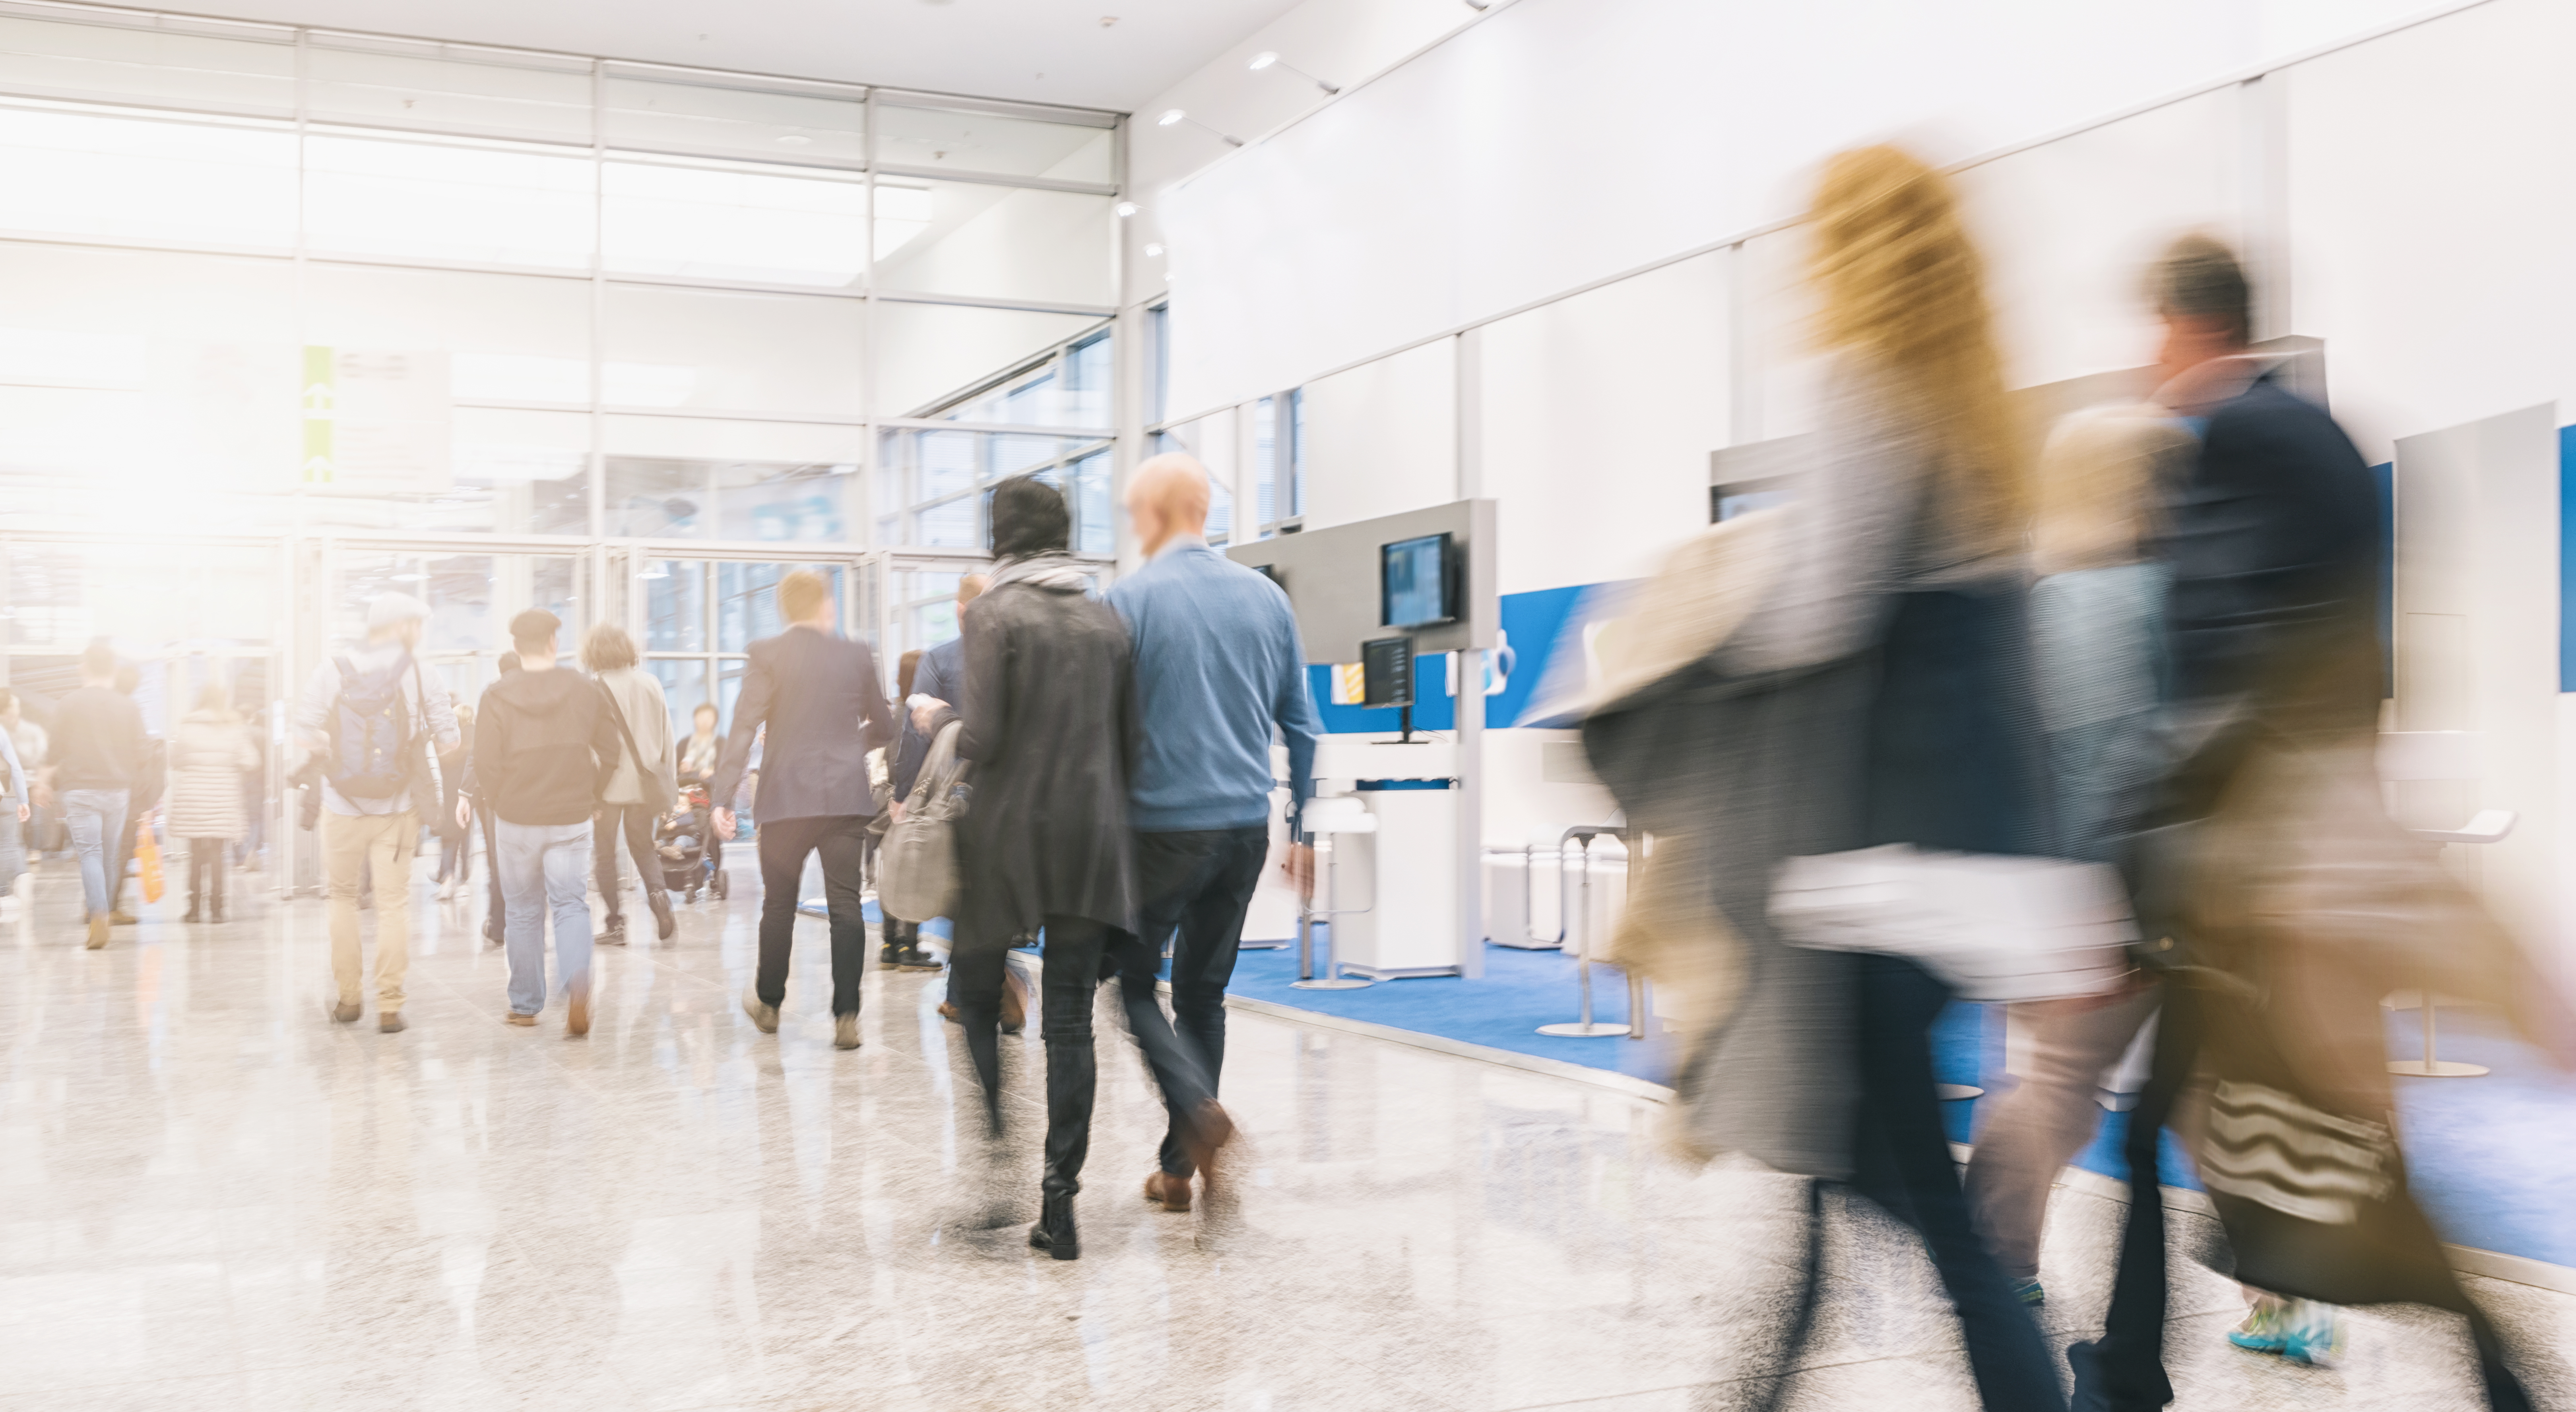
(1169, 117)
(1264, 59)
(1125, 208)
(794, 139)
(1153, 252)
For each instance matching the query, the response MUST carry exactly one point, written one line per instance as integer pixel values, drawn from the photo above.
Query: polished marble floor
(212, 1198)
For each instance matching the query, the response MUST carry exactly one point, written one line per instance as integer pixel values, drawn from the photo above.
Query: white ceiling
(1055, 51)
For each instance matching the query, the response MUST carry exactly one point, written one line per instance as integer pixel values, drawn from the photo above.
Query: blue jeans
(95, 817)
(543, 867)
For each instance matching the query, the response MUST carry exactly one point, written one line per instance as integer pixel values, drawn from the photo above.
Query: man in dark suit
(811, 687)
(941, 677)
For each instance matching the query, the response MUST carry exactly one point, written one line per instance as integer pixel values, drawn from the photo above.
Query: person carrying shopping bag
(209, 753)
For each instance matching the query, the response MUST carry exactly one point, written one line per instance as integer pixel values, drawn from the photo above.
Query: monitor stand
(1406, 717)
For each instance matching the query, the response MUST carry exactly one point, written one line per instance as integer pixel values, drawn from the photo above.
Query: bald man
(1220, 676)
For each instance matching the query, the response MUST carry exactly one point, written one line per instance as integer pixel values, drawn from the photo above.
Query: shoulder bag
(917, 863)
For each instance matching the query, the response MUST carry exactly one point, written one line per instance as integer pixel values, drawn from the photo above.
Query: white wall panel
(1382, 437)
(2429, 205)
(1599, 414)
(1563, 141)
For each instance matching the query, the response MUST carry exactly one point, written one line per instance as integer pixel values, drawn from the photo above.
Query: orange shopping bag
(147, 851)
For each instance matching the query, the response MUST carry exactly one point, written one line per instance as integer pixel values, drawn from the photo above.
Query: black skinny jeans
(1195, 886)
(1901, 1160)
(784, 843)
(1073, 948)
(636, 823)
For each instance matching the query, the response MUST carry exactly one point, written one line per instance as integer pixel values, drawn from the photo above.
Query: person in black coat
(1049, 730)
(812, 688)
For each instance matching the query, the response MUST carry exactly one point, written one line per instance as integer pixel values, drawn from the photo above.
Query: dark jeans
(455, 852)
(1198, 883)
(1901, 1160)
(784, 843)
(2125, 1371)
(636, 823)
(207, 860)
(1073, 950)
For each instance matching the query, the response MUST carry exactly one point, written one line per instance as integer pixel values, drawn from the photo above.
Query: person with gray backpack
(370, 716)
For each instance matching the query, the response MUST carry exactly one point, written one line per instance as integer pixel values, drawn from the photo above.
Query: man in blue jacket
(1220, 675)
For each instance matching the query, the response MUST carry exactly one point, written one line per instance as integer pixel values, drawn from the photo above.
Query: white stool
(2439, 755)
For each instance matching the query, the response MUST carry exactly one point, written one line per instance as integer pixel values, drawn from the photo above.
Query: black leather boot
(1054, 1232)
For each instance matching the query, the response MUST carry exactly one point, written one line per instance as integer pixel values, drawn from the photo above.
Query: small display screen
(1418, 581)
(1273, 573)
(1386, 672)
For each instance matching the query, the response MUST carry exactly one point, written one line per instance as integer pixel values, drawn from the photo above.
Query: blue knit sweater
(1218, 668)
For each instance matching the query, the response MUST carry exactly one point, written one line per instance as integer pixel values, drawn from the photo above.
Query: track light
(1175, 115)
(1268, 59)
(1479, 6)
(1125, 208)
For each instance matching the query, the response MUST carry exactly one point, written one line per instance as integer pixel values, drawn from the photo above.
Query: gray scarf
(1053, 569)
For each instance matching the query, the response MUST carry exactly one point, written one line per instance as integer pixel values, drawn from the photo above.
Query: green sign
(321, 404)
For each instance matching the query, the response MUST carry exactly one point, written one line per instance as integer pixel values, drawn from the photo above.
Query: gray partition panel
(1332, 579)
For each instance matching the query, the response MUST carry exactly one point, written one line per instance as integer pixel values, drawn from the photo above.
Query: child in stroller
(681, 838)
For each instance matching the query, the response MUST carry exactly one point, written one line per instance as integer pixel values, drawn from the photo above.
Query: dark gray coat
(1050, 739)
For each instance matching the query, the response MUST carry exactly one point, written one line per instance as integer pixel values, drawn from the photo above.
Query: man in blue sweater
(1220, 675)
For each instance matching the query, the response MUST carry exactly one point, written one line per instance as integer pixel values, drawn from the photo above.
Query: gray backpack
(917, 863)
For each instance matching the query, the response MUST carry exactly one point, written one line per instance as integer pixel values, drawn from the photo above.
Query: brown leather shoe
(1208, 1135)
(951, 1013)
(1015, 1003)
(1172, 1191)
(577, 1017)
(524, 1021)
(345, 1014)
(390, 1022)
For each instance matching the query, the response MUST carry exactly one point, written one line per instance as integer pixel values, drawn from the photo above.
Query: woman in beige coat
(209, 753)
(645, 783)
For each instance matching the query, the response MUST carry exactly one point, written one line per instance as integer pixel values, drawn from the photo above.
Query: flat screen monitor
(1386, 672)
(1273, 573)
(1418, 581)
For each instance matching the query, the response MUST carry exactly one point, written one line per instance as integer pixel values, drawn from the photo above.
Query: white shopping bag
(1995, 928)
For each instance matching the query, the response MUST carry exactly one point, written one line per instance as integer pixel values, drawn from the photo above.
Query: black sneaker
(913, 958)
(886, 955)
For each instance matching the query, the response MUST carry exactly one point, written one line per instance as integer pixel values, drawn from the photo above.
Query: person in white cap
(369, 717)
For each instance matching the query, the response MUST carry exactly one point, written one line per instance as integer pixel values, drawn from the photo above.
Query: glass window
(962, 140)
(994, 242)
(684, 688)
(675, 605)
(951, 461)
(734, 352)
(159, 65)
(746, 605)
(459, 589)
(112, 178)
(955, 524)
(509, 338)
(484, 205)
(1095, 530)
(1088, 368)
(555, 583)
(1220, 521)
(785, 503)
(1297, 452)
(730, 224)
(654, 499)
(657, 115)
(1158, 362)
(1265, 464)
(388, 83)
(928, 356)
(519, 472)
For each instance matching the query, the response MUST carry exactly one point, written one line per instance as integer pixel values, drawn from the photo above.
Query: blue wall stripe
(2384, 476)
(2566, 566)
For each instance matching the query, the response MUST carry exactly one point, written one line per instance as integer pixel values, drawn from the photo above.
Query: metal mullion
(689, 156)
(1025, 183)
(994, 428)
(1063, 114)
(737, 286)
(1102, 312)
(868, 326)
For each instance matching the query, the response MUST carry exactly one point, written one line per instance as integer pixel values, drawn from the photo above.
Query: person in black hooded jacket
(1049, 732)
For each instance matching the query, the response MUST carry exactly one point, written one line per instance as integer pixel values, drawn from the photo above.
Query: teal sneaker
(2266, 1327)
(2029, 1292)
(2314, 1334)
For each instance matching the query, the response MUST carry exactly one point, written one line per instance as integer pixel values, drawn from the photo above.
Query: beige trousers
(2031, 1131)
(384, 843)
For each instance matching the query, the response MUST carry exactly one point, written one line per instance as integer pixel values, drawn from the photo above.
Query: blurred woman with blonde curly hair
(1875, 695)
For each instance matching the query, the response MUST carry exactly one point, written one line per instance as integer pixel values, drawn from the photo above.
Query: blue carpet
(2489, 1156)
(1520, 991)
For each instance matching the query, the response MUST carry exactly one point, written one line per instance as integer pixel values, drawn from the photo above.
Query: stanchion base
(2437, 1069)
(1333, 983)
(1578, 1030)
(1262, 945)
(1950, 1093)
